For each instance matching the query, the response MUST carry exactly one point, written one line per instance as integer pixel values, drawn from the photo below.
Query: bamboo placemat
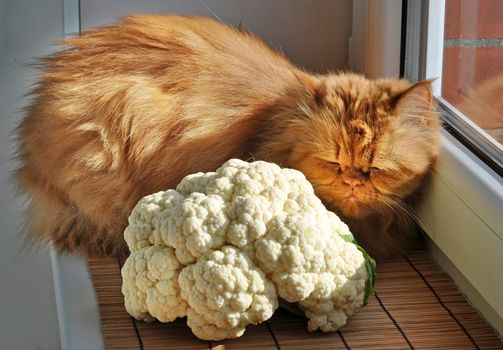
(416, 307)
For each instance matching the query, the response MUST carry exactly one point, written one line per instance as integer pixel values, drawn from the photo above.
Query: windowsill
(77, 307)
(461, 213)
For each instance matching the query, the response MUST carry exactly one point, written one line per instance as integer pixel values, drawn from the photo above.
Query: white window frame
(461, 211)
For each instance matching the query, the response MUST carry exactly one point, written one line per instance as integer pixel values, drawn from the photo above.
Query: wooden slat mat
(416, 307)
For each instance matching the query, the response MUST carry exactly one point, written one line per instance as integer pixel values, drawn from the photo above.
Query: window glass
(472, 77)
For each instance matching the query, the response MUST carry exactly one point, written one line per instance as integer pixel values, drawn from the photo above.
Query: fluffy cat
(130, 109)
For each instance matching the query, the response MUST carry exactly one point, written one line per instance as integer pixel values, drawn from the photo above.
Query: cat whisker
(211, 11)
(414, 214)
(400, 207)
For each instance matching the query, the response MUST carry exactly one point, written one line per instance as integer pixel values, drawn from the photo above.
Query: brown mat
(416, 306)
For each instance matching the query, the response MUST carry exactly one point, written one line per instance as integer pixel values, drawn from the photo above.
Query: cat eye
(374, 170)
(332, 165)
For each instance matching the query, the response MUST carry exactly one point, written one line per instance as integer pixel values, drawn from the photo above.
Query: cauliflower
(224, 246)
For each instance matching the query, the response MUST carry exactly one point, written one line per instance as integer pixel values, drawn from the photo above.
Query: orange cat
(130, 109)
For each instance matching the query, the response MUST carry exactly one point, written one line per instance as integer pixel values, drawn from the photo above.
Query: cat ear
(312, 88)
(416, 102)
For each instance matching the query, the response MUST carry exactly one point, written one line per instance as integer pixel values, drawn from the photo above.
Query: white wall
(27, 307)
(313, 33)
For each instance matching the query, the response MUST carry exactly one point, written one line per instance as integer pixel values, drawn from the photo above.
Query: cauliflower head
(225, 245)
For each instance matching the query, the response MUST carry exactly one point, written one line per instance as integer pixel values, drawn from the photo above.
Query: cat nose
(352, 182)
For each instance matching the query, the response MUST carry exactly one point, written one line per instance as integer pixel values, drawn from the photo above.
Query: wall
(313, 33)
(28, 317)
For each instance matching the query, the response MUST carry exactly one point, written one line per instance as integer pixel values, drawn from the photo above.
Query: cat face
(363, 144)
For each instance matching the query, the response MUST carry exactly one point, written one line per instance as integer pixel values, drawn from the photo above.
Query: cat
(483, 104)
(130, 109)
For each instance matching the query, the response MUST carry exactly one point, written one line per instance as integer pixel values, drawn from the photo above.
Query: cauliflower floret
(146, 223)
(224, 245)
(196, 225)
(192, 225)
(150, 285)
(226, 292)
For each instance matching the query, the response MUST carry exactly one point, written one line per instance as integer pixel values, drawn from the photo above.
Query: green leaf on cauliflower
(369, 263)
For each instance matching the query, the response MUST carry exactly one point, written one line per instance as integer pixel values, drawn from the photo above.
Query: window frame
(472, 136)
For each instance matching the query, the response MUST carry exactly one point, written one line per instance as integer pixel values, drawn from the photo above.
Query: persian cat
(129, 109)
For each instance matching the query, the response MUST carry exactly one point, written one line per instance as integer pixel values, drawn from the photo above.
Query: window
(472, 78)
(460, 42)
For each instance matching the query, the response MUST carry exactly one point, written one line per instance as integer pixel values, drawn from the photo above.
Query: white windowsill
(461, 213)
(77, 307)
